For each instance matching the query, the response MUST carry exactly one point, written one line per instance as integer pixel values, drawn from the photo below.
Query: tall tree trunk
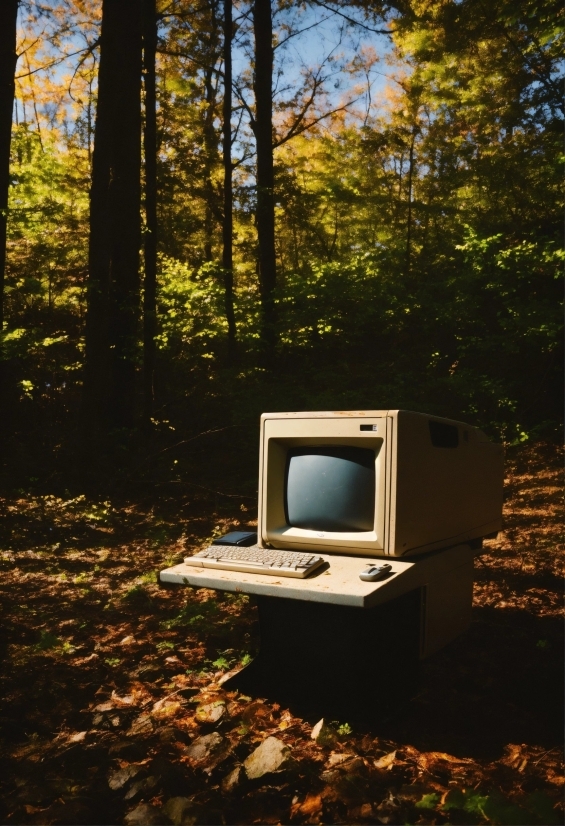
(263, 129)
(150, 240)
(115, 230)
(227, 223)
(8, 60)
(409, 220)
(210, 150)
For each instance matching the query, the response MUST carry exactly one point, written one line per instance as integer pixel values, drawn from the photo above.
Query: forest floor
(113, 711)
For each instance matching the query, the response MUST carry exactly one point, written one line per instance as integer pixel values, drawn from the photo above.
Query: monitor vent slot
(444, 435)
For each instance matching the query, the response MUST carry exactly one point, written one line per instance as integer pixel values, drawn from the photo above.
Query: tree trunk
(210, 153)
(409, 217)
(115, 231)
(263, 129)
(150, 239)
(8, 60)
(227, 224)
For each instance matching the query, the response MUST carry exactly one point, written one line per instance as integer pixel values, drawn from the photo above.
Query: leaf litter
(113, 708)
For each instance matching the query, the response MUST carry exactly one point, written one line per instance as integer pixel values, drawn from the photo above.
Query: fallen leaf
(140, 786)
(338, 757)
(127, 700)
(166, 708)
(385, 762)
(144, 815)
(118, 779)
(204, 746)
(108, 706)
(232, 780)
(312, 805)
(210, 712)
(178, 810)
(141, 725)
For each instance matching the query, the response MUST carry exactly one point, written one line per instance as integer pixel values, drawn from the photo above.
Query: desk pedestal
(333, 659)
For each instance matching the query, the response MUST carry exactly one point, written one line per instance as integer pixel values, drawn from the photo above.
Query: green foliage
(431, 284)
(428, 801)
(533, 808)
(165, 646)
(47, 641)
(221, 662)
(137, 596)
(199, 616)
(150, 578)
(113, 662)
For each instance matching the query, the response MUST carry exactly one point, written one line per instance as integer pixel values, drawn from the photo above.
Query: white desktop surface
(339, 584)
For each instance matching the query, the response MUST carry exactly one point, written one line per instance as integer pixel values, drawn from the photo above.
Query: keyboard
(255, 560)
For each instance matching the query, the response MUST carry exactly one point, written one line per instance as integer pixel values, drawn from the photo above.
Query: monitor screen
(330, 488)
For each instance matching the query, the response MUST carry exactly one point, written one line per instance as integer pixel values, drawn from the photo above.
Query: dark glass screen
(330, 488)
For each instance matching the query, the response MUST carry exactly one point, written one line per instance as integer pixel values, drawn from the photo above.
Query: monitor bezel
(278, 436)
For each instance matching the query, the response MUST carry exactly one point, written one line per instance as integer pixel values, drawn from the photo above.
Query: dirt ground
(112, 707)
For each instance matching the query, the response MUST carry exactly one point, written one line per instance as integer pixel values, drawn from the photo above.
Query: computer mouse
(374, 572)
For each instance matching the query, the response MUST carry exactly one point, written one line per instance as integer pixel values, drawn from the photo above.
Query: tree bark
(150, 239)
(115, 229)
(227, 223)
(263, 129)
(8, 60)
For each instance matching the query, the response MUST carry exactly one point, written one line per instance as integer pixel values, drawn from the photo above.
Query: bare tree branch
(351, 20)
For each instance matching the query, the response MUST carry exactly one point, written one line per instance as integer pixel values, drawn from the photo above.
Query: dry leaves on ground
(113, 709)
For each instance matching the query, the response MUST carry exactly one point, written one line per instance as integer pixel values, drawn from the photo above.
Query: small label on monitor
(367, 427)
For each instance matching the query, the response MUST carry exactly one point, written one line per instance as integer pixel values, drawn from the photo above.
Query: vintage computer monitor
(385, 483)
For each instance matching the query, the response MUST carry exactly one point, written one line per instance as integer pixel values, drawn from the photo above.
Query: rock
(144, 815)
(118, 779)
(204, 747)
(232, 780)
(178, 811)
(210, 712)
(323, 734)
(271, 756)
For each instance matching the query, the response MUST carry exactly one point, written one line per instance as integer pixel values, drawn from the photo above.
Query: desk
(336, 636)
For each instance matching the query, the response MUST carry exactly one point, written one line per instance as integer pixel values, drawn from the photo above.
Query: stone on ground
(271, 756)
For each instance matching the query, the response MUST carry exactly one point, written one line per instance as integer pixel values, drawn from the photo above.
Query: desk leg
(332, 656)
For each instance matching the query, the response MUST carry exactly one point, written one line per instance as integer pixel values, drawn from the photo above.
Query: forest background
(369, 219)
(209, 210)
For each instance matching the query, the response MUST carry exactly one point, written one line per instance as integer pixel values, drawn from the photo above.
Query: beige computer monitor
(437, 482)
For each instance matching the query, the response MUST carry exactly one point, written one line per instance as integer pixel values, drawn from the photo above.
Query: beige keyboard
(256, 560)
